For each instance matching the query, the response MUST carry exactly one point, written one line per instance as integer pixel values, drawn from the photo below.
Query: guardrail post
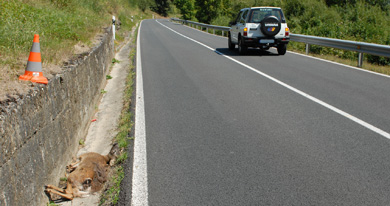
(360, 63)
(113, 27)
(223, 33)
(214, 31)
(207, 29)
(307, 49)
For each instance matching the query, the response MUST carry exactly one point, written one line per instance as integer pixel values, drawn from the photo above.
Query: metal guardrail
(360, 47)
(201, 25)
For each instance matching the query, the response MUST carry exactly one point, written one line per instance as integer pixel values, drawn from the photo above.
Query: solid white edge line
(140, 179)
(318, 101)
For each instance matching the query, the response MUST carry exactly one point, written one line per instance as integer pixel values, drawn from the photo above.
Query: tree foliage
(161, 7)
(186, 7)
(207, 10)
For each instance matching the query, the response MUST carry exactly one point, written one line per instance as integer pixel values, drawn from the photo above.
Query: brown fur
(87, 175)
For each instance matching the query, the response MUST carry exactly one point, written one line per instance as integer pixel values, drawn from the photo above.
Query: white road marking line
(140, 172)
(318, 101)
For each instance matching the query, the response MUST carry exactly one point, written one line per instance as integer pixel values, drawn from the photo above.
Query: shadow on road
(250, 52)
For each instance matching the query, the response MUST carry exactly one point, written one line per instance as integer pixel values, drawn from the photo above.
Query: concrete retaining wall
(40, 131)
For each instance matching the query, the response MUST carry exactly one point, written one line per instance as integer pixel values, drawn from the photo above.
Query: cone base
(25, 77)
(36, 77)
(40, 80)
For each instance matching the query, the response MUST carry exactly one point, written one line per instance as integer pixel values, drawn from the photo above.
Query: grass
(61, 24)
(112, 193)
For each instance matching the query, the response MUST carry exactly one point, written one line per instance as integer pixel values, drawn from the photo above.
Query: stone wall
(40, 131)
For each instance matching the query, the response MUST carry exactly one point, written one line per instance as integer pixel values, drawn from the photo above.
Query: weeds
(115, 61)
(81, 142)
(121, 158)
(51, 203)
(113, 192)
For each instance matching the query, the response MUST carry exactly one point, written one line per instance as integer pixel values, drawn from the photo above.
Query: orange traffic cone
(34, 65)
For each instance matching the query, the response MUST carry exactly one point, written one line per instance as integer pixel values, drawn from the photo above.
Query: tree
(144, 4)
(339, 2)
(207, 10)
(186, 7)
(161, 7)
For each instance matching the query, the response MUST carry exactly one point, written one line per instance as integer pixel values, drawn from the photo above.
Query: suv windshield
(257, 15)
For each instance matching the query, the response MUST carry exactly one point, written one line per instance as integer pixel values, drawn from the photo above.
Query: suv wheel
(231, 45)
(242, 49)
(282, 48)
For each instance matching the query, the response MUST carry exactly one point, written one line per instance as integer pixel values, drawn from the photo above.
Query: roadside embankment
(41, 130)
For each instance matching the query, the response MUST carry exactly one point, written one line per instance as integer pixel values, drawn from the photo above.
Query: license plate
(266, 41)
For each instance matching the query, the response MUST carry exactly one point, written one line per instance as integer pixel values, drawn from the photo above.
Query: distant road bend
(259, 129)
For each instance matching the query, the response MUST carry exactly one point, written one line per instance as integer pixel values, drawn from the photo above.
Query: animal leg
(67, 196)
(74, 164)
(55, 188)
(65, 193)
(70, 168)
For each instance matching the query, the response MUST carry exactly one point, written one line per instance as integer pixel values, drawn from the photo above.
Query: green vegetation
(115, 61)
(112, 193)
(61, 24)
(81, 142)
(51, 203)
(357, 20)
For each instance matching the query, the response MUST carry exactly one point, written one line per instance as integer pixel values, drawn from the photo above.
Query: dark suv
(262, 27)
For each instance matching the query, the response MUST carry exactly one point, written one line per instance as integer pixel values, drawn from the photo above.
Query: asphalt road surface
(258, 129)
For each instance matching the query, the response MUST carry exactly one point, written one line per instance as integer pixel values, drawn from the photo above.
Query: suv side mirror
(232, 23)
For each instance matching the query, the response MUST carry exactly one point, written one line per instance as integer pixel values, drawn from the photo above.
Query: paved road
(276, 130)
